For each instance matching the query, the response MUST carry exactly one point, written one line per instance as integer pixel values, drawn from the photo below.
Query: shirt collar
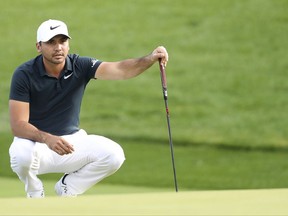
(42, 71)
(68, 65)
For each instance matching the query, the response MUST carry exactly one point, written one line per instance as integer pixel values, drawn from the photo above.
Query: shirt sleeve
(89, 65)
(19, 89)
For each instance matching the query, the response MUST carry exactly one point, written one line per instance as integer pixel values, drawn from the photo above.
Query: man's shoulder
(83, 62)
(76, 59)
(30, 65)
(83, 66)
(73, 57)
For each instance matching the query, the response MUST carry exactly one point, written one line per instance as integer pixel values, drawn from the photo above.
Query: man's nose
(58, 46)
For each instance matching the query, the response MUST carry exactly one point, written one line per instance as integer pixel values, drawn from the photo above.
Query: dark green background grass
(226, 85)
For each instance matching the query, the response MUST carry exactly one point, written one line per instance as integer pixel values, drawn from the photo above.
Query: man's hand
(160, 53)
(59, 145)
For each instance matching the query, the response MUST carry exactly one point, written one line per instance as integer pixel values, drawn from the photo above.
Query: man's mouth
(58, 55)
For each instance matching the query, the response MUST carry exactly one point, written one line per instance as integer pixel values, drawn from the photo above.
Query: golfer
(44, 103)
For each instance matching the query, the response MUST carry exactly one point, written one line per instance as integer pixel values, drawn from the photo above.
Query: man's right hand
(58, 145)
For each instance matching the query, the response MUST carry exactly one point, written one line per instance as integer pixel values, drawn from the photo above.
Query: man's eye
(63, 40)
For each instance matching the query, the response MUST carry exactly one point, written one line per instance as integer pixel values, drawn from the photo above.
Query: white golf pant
(95, 157)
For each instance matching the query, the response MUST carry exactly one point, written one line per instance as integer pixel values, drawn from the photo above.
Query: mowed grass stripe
(233, 202)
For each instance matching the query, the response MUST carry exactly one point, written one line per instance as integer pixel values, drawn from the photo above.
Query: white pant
(95, 157)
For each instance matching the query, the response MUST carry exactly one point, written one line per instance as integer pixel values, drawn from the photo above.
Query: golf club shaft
(165, 94)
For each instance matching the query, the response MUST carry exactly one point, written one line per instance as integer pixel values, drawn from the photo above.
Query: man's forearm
(28, 131)
(134, 67)
(129, 68)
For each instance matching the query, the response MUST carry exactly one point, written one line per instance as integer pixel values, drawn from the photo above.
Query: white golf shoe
(61, 188)
(36, 194)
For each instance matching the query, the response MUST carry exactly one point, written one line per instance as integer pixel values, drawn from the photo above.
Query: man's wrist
(43, 136)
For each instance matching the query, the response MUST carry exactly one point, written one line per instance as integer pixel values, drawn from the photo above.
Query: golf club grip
(163, 75)
(163, 80)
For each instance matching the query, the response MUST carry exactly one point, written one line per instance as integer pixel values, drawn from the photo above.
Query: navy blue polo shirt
(54, 103)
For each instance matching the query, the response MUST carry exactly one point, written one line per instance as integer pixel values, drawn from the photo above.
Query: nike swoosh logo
(94, 61)
(52, 28)
(66, 77)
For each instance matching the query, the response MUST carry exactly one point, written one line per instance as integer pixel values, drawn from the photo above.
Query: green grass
(226, 84)
(241, 202)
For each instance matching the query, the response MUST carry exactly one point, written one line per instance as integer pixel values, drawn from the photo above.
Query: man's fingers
(64, 147)
(161, 53)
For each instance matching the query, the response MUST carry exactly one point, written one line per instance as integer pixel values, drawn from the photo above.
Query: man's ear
(38, 47)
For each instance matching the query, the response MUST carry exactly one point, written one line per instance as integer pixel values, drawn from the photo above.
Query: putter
(165, 94)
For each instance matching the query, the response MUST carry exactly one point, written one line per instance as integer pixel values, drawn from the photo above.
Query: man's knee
(116, 158)
(21, 154)
(116, 161)
(110, 151)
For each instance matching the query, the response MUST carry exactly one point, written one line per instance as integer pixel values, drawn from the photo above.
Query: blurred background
(226, 79)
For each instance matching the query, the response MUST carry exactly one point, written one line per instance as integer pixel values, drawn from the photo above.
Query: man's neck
(53, 69)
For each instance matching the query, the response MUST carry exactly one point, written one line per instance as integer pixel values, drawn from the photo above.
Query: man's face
(55, 50)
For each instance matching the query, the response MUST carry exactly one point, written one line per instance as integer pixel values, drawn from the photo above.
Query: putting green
(234, 202)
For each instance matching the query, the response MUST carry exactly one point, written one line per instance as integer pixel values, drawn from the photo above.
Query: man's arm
(130, 67)
(20, 126)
